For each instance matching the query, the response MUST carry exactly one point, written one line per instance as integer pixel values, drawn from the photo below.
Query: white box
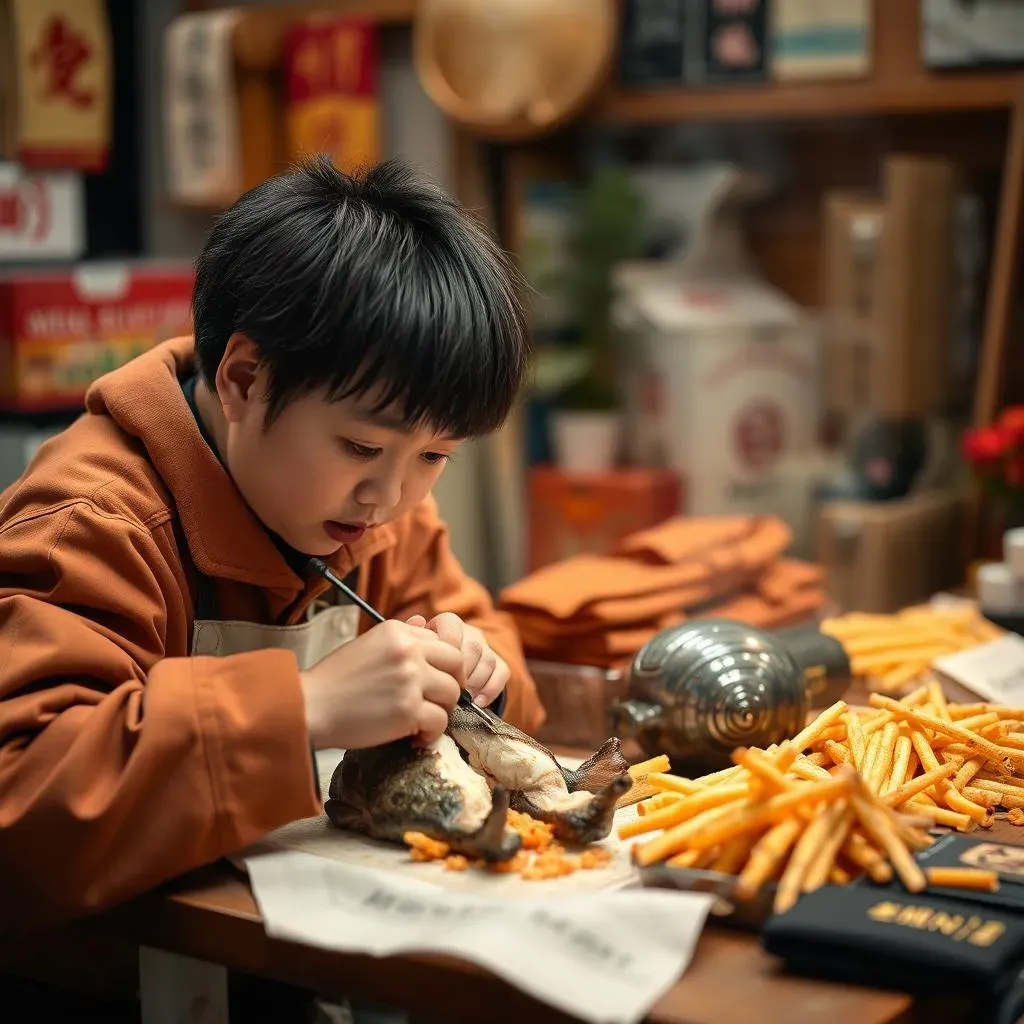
(725, 388)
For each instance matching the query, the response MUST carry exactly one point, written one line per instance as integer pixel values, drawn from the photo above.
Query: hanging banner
(201, 119)
(331, 82)
(63, 84)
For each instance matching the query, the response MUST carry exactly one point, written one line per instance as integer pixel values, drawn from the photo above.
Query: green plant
(608, 226)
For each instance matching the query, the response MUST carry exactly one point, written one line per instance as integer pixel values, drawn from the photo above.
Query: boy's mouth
(346, 533)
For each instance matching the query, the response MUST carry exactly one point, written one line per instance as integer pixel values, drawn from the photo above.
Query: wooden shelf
(920, 93)
(260, 31)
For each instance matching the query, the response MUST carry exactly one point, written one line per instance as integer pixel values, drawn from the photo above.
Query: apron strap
(205, 603)
(206, 597)
(206, 594)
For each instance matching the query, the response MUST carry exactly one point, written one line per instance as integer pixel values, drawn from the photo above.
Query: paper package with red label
(60, 330)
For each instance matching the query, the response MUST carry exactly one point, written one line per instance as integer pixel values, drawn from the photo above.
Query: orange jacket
(124, 762)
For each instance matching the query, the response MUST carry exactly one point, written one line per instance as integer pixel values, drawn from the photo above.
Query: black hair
(350, 282)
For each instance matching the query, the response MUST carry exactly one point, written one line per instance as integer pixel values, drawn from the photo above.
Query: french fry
(920, 718)
(673, 784)
(767, 854)
(882, 764)
(919, 785)
(641, 788)
(877, 822)
(682, 810)
(900, 764)
(893, 652)
(656, 802)
(803, 814)
(864, 855)
(770, 812)
(813, 839)
(660, 763)
(838, 753)
(824, 860)
(963, 878)
(856, 739)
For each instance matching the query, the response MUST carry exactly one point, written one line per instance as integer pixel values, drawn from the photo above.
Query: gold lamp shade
(513, 69)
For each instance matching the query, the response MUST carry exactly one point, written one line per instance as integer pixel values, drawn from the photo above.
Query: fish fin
(602, 768)
(493, 840)
(581, 825)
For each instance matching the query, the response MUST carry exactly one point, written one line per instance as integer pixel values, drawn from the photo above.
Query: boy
(168, 660)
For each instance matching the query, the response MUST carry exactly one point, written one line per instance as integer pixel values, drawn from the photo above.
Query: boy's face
(323, 472)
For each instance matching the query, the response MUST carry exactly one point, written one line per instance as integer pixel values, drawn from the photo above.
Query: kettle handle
(633, 716)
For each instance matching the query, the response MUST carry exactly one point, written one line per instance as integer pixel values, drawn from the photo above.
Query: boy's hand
(486, 674)
(395, 680)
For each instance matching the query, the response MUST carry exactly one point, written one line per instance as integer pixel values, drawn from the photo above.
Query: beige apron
(176, 989)
(327, 627)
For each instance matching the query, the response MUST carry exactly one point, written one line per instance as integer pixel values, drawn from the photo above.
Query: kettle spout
(632, 717)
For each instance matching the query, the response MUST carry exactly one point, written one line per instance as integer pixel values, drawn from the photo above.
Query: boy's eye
(361, 451)
(435, 458)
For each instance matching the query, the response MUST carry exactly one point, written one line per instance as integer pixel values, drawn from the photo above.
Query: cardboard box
(883, 556)
(724, 389)
(576, 513)
(60, 330)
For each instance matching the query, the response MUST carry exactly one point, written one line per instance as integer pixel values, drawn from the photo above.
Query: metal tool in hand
(700, 689)
(465, 698)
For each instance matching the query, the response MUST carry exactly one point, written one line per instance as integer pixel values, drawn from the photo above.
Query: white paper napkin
(603, 957)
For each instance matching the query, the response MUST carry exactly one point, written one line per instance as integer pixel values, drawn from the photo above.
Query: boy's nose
(381, 491)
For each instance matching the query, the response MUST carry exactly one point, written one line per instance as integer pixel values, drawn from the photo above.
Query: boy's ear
(239, 375)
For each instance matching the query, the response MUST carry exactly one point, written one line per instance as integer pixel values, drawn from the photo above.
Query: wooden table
(211, 915)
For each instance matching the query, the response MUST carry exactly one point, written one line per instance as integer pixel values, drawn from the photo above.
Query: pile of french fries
(855, 792)
(895, 652)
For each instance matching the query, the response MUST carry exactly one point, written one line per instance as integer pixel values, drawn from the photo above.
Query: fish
(579, 804)
(459, 789)
(386, 791)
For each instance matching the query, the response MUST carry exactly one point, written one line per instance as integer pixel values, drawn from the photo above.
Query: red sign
(331, 84)
(60, 331)
(331, 57)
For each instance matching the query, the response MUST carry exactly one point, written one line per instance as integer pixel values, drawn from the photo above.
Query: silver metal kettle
(700, 689)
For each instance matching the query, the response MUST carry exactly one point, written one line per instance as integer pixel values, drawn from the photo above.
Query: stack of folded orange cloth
(600, 609)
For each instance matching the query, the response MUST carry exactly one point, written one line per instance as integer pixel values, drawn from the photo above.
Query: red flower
(985, 445)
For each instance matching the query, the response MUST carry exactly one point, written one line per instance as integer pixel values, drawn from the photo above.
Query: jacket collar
(226, 539)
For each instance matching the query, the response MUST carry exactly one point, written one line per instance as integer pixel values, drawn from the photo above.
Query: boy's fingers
(416, 620)
(431, 722)
(449, 627)
(493, 687)
(445, 657)
(480, 670)
(440, 689)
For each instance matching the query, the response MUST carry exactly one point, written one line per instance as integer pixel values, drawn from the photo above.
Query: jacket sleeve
(121, 768)
(421, 575)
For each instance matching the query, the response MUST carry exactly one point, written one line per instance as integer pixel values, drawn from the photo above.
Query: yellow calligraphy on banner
(345, 127)
(333, 104)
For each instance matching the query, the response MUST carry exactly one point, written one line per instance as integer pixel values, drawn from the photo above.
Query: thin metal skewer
(465, 699)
